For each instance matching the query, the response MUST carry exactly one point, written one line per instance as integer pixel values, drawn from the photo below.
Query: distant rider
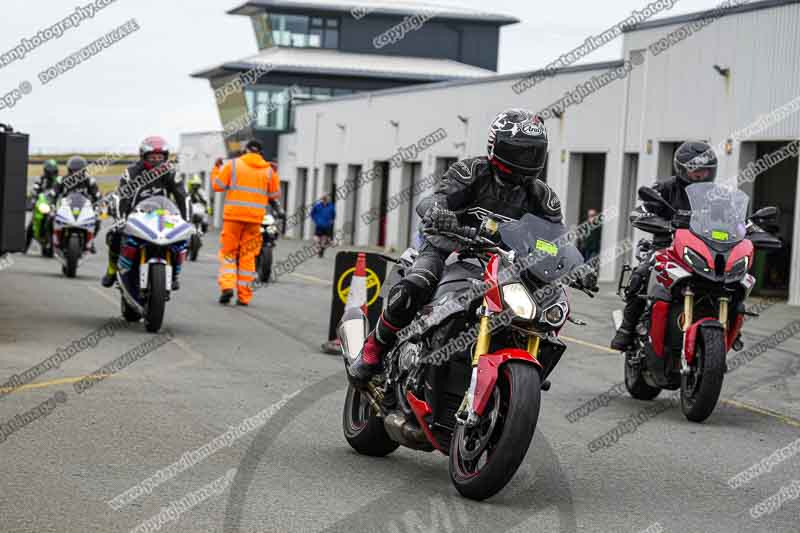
(46, 182)
(198, 196)
(78, 180)
(694, 162)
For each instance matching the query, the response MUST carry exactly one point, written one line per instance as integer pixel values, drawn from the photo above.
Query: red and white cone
(356, 297)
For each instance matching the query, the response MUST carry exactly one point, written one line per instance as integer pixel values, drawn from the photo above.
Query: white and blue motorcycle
(73, 231)
(152, 236)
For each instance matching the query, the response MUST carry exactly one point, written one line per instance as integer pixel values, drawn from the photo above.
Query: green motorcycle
(41, 226)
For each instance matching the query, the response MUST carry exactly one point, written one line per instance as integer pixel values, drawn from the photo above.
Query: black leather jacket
(471, 189)
(44, 184)
(139, 183)
(674, 192)
(86, 185)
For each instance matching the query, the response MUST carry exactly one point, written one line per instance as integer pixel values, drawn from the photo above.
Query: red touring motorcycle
(696, 294)
(466, 377)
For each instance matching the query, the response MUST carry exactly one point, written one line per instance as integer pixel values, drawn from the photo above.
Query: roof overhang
(717, 12)
(300, 7)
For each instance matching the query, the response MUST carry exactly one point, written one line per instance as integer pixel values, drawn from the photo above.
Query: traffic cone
(356, 298)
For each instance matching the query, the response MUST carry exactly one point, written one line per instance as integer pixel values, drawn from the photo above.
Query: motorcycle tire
(516, 401)
(72, 255)
(701, 388)
(194, 247)
(636, 385)
(156, 298)
(362, 429)
(265, 265)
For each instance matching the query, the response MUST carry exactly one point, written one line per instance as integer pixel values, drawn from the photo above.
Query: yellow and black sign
(373, 285)
(343, 274)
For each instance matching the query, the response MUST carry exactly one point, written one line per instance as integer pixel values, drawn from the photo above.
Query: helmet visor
(522, 155)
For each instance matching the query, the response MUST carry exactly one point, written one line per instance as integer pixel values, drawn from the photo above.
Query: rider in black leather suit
(505, 183)
(77, 180)
(694, 162)
(152, 175)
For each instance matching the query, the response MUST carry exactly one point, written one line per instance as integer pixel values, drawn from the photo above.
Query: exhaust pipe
(400, 430)
(352, 332)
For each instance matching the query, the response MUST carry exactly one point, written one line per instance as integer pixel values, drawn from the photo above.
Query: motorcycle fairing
(421, 411)
(667, 270)
(489, 365)
(659, 319)
(494, 301)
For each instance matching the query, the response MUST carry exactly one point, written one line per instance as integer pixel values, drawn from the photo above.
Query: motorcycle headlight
(739, 268)
(44, 209)
(555, 315)
(695, 260)
(517, 298)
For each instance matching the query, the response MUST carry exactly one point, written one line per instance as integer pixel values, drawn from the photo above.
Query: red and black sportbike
(696, 294)
(466, 376)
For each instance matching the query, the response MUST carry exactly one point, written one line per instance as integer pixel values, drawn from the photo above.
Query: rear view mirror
(766, 213)
(651, 196)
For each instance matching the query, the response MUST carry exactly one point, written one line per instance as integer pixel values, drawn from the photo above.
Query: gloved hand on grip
(585, 278)
(441, 219)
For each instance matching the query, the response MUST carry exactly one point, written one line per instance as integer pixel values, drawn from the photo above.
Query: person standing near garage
(249, 185)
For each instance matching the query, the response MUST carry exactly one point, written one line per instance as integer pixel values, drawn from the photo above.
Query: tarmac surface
(86, 440)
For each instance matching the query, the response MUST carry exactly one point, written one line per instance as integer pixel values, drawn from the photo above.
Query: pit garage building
(730, 76)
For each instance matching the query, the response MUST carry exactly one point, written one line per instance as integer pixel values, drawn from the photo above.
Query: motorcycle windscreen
(158, 203)
(76, 200)
(719, 214)
(543, 245)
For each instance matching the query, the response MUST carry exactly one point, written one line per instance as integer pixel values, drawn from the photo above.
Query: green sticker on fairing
(719, 235)
(546, 247)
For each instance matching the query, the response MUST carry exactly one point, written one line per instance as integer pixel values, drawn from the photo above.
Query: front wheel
(72, 255)
(156, 297)
(701, 387)
(363, 430)
(484, 458)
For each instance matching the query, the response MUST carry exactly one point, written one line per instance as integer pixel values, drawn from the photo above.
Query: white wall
(671, 97)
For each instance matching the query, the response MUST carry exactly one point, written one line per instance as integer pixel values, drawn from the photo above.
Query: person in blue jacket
(323, 214)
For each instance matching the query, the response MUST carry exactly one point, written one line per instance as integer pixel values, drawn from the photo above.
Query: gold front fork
(484, 338)
(466, 413)
(533, 346)
(688, 320)
(723, 313)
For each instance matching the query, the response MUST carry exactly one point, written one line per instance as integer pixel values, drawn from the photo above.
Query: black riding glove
(441, 219)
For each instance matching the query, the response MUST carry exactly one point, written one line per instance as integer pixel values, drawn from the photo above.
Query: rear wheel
(635, 383)
(484, 458)
(265, 264)
(194, 247)
(700, 388)
(363, 430)
(72, 255)
(156, 297)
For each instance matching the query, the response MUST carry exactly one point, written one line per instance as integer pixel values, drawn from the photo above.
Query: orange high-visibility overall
(248, 182)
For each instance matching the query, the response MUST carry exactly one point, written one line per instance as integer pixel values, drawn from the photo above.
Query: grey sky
(141, 85)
